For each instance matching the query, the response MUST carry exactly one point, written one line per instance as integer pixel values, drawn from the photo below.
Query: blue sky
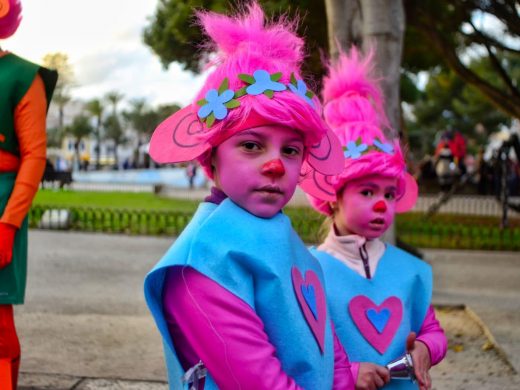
(103, 39)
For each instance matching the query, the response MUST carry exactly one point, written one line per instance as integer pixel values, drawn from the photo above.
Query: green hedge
(452, 231)
(442, 231)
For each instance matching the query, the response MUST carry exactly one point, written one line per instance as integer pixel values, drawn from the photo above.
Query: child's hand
(421, 361)
(371, 376)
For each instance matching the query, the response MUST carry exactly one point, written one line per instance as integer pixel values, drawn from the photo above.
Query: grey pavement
(85, 324)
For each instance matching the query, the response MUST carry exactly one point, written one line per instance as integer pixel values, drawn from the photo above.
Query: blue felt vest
(374, 316)
(263, 262)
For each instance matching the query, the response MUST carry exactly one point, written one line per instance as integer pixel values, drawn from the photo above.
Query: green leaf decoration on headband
(276, 76)
(202, 102)
(210, 120)
(241, 92)
(246, 78)
(224, 85)
(309, 94)
(233, 103)
(269, 93)
(293, 80)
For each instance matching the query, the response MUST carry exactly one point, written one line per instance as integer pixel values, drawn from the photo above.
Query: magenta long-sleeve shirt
(210, 324)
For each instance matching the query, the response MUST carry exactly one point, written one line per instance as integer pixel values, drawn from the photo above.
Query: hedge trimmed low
(446, 231)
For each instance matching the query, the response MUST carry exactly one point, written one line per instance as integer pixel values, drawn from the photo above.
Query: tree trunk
(344, 24)
(383, 29)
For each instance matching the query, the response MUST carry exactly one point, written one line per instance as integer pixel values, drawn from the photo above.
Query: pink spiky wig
(244, 44)
(255, 81)
(353, 108)
(10, 17)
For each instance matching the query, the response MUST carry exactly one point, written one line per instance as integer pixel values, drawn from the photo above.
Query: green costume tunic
(16, 76)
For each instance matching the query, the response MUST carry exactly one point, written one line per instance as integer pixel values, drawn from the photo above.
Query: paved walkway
(85, 324)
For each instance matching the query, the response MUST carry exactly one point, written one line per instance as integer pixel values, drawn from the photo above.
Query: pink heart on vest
(377, 323)
(311, 298)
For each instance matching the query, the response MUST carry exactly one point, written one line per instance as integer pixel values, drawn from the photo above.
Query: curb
(484, 328)
(46, 381)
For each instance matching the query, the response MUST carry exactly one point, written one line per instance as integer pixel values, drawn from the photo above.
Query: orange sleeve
(29, 122)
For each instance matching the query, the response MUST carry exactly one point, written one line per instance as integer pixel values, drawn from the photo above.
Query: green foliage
(173, 35)
(132, 213)
(80, 127)
(450, 34)
(129, 200)
(449, 102)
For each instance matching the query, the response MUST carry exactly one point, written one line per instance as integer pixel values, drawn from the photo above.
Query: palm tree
(60, 62)
(95, 108)
(79, 129)
(114, 131)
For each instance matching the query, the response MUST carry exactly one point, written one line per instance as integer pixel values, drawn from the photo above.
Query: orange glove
(7, 233)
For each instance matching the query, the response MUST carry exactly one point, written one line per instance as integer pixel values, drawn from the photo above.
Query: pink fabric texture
(228, 336)
(360, 305)
(433, 336)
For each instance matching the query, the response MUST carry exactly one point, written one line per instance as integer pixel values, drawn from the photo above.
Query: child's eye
(390, 196)
(291, 151)
(367, 193)
(250, 146)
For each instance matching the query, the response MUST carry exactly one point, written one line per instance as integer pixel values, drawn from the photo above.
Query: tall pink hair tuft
(245, 43)
(351, 96)
(249, 36)
(353, 108)
(9, 23)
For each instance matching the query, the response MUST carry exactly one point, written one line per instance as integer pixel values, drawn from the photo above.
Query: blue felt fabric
(398, 274)
(251, 257)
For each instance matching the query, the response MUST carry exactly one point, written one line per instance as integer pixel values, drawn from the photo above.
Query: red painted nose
(273, 168)
(380, 207)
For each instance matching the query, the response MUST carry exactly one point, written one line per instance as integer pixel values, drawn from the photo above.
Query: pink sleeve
(209, 323)
(432, 335)
(354, 370)
(342, 369)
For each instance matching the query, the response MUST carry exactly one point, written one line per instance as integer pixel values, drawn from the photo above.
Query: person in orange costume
(24, 99)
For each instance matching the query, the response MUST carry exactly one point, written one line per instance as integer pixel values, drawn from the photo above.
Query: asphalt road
(85, 314)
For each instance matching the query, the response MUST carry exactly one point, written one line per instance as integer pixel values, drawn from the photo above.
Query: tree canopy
(451, 34)
(474, 44)
(172, 33)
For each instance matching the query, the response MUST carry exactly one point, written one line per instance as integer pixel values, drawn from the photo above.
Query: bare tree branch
(505, 11)
(503, 101)
(497, 65)
(482, 38)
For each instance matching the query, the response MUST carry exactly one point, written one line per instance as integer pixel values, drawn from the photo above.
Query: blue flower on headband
(301, 90)
(353, 150)
(263, 83)
(385, 147)
(216, 104)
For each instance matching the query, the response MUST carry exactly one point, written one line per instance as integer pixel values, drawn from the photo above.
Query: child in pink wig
(238, 298)
(380, 296)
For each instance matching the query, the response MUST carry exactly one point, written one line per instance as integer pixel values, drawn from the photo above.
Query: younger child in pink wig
(10, 17)
(380, 296)
(238, 298)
